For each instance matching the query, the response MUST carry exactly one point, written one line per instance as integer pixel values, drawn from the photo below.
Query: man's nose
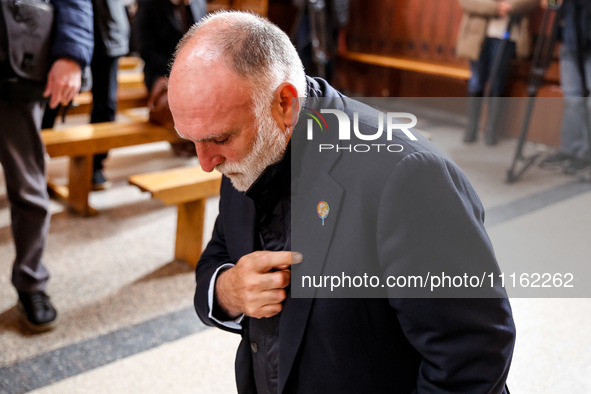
(207, 159)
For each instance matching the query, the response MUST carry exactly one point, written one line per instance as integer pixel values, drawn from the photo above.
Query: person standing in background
(481, 33)
(22, 151)
(318, 32)
(111, 35)
(573, 154)
(156, 46)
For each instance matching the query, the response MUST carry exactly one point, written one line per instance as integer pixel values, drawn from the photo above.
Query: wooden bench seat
(450, 71)
(127, 80)
(188, 188)
(130, 97)
(80, 143)
(129, 62)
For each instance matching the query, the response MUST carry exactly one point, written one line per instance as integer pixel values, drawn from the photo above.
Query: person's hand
(158, 100)
(63, 82)
(504, 8)
(256, 285)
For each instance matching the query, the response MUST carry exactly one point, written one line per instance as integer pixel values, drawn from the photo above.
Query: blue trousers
(574, 139)
(104, 93)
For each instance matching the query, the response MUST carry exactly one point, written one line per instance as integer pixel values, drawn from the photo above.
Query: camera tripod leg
(512, 174)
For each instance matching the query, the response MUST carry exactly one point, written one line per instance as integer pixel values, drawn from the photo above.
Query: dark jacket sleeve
(214, 256)
(153, 44)
(73, 31)
(157, 45)
(466, 344)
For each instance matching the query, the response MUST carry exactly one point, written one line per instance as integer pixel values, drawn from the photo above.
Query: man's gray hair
(254, 48)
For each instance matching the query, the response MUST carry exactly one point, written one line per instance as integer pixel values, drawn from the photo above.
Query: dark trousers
(481, 71)
(22, 157)
(104, 93)
(482, 68)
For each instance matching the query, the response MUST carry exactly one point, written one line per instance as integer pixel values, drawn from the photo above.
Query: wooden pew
(80, 143)
(132, 92)
(400, 63)
(128, 80)
(188, 188)
(129, 62)
(133, 97)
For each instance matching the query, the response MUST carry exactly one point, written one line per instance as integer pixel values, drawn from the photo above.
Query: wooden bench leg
(79, 185)
(189, 231)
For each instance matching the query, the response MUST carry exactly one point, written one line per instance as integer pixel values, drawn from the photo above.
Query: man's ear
(286, 106)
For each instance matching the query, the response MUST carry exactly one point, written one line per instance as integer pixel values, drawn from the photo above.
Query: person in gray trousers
(22, 150)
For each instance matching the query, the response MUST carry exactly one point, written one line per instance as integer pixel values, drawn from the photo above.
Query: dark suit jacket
(394, 212)
(110, 19)
(158, 32)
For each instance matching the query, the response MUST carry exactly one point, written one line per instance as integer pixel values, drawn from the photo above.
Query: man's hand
(504, 8)
(256, 285)
(63, 82)
(158, 100)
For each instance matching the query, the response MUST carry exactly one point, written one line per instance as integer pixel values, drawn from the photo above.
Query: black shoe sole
(553, 166)
(97, 187)
(37, 328)
(574, 171)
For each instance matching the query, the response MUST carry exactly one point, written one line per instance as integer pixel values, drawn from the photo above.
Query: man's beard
(268, 148)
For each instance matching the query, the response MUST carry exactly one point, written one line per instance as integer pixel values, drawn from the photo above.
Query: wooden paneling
(260, 7)
(406, 48)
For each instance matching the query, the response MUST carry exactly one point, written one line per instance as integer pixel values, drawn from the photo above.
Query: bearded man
(233, 91)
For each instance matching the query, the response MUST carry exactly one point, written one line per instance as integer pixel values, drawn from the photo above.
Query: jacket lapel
(242, 216)
(312, 239)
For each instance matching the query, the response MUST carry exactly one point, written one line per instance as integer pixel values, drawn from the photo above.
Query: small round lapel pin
(323, 210)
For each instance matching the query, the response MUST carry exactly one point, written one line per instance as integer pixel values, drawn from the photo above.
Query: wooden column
(189, 232)
(80, 184)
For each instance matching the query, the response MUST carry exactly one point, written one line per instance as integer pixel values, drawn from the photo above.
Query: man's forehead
(217, 110)
(207, 86)
(196, 53)
(197, 101)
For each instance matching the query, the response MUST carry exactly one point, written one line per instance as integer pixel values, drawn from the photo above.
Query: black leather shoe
(575, 166)
(99, 182)
(556, 160)
(37, 310)
(469, 137)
